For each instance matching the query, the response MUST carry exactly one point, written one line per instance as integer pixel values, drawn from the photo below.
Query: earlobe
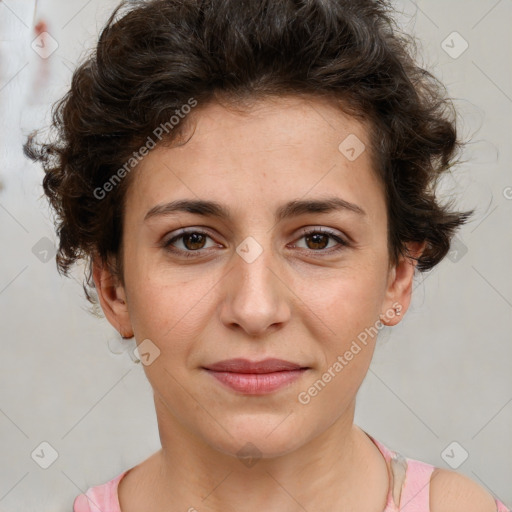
(399, 291)
(112, 297)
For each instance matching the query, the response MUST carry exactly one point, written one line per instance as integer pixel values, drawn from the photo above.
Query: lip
(240, 365)
(256, 377)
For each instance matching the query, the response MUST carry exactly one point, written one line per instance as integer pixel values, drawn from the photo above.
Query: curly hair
(153, 56)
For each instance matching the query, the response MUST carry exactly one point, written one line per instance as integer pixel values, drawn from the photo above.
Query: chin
(258, 436)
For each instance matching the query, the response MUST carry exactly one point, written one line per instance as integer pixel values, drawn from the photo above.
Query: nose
(255, 297)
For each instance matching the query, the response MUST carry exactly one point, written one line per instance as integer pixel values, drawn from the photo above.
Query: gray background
(441, 376)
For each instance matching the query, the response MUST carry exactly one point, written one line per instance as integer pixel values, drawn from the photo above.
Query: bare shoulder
(453, 492)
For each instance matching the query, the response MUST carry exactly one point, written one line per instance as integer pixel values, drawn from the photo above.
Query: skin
(290, 302)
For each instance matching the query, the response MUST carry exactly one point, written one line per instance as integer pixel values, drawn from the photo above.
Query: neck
(197, 475)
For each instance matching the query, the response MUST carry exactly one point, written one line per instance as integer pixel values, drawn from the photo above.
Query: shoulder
(100, 497)
(81, 504)
(453, 492)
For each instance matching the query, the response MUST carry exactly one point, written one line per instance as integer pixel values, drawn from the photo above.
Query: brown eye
(192, 242)
(317, 240)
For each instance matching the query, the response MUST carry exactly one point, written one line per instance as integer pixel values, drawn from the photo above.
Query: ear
(399, 287)
(112, 297)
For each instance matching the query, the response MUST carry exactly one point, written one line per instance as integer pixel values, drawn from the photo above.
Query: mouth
(255, 377)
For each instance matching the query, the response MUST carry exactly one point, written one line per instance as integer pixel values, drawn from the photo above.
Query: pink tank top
(408, 490)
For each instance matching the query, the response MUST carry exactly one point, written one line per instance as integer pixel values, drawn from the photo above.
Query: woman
(253, 187)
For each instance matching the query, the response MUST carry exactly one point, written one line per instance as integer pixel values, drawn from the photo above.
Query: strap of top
(409, 482)
(416, 490)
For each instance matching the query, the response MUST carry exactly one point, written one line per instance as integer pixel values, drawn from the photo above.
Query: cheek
(169, 308)
(351, 295)
(349, 307)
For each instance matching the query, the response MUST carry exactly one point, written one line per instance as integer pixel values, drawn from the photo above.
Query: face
(274, 277)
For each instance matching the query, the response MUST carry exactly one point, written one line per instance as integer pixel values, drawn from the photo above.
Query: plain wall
(442, 375)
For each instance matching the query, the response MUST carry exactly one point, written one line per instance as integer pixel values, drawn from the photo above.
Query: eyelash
(193, 254)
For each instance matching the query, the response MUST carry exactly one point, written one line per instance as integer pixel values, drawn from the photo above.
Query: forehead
(272, 123)
(275, 149)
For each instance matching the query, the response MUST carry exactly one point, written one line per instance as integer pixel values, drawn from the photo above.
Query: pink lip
(255, 377)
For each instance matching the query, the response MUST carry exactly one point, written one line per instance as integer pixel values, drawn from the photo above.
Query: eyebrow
(291, 209)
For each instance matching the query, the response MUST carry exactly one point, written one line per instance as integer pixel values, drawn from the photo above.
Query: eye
(318, 239)
(192, 242)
